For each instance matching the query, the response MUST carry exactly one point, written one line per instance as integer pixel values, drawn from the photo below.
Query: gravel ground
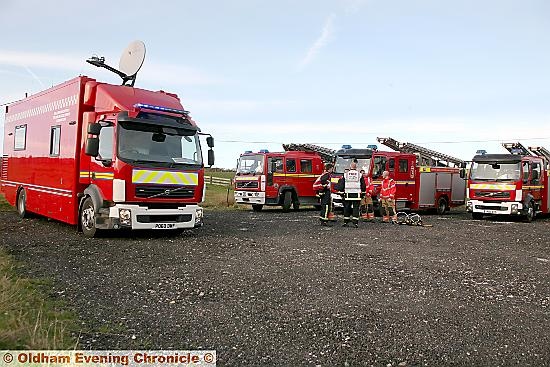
(275, 288)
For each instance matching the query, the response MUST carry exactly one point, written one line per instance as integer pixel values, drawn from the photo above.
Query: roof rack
(425, 156)
(326, 154)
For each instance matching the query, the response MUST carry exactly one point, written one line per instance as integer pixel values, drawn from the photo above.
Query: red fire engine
(104, 156)
(425, 179)
(283, 178)
(510, 184)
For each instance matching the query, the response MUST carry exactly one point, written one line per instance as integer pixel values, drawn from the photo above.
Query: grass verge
(29, 319)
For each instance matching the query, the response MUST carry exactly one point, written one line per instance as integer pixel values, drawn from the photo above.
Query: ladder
(326, 154)
(426, 157)
(543, 153)
(517, 148)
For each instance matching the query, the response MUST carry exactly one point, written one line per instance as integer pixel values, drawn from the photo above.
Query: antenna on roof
(130, 63)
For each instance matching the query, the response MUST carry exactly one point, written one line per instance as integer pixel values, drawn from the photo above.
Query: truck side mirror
(94, 128)
(92, 147)
(210, 157)
(463, 173)
(210, 141)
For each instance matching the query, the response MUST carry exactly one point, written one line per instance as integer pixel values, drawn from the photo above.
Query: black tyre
(441, 205)
(22, 204)
(477, 216)
(257, 207)
(87, 218)
(296, 205)
(530, 215)
(287, 201)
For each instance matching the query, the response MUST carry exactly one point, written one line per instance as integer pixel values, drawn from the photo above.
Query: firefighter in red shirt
(387, 196)
(322, 187)
(367, 207)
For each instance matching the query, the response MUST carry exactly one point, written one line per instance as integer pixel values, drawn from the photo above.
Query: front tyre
(530, 215)
(477, 216)
(257, 207)
(87, 218)
(287, 201)
(22, 204)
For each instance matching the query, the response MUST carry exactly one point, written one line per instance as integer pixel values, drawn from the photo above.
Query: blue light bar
(248, 152)
(481, 152)
(264, 151)
(160, 108)
(346, 146)
(372, 146)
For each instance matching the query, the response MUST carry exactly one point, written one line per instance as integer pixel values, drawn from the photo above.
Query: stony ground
(275, 288)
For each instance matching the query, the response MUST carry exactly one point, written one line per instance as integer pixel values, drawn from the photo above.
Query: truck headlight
(514, 208)
(125, 216)
(198, 216)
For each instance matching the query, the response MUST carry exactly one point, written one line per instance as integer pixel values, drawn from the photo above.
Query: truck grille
(173, 192)
(247, 184)
(493, 194)
(489, 207)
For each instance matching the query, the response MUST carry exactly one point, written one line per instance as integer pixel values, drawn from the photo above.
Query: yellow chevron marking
(503, 187)
(246, 178)
(165, 177)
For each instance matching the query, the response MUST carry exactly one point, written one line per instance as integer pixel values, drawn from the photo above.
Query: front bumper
(495, 207)
(141, 217)
(250, 197)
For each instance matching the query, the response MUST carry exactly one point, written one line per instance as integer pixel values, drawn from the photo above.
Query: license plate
(490, 212)
(164, 225)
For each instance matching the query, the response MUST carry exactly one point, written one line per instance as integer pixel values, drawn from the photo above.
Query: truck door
(536, 181)
(291, 177)
(101, 168)
(275, 177)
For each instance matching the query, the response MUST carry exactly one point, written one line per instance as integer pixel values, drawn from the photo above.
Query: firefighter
(367, 207)
(387, 196)
(322, 187)
(352, 187)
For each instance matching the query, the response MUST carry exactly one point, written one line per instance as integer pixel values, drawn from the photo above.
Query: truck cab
(277, 179)
(507, 184)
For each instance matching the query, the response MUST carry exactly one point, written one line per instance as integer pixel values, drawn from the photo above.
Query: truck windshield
(495, 171)
(157, 144)
(343, 163)
(250, 165)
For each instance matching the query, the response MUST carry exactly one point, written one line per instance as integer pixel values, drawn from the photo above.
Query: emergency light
(481, 151)
(372, 146)
(160, 108)
(247, 151)
(346, 146)
(264, 151)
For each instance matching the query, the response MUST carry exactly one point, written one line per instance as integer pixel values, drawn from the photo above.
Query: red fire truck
(282, 178)
(104, 156)
(510, 184)
(425, 179)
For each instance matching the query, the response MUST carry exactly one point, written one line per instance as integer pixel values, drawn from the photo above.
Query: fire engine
(510, 184)
(104, 156)
(282, 178)
(425, 179)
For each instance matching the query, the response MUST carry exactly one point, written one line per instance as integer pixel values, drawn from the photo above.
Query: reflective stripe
(165, 177)
(503, 187)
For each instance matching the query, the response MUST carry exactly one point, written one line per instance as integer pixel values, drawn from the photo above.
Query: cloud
(153, 72)
(325, 37)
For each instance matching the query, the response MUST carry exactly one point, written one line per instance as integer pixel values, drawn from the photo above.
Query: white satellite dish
(132, 58)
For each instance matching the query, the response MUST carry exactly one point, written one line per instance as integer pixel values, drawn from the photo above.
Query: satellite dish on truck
(130, 63)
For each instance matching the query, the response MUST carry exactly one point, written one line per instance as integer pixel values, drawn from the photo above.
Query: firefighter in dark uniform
(352, 187)
(322, 187)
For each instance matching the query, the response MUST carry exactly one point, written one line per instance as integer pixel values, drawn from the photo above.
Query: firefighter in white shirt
(352, 187)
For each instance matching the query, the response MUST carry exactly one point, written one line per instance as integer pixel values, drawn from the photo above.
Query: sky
(454, 76)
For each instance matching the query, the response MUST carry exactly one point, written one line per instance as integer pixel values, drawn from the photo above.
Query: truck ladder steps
(326, 154)
(429, 156)
(517, 148)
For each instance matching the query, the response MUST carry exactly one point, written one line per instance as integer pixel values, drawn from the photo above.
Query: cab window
(403, 166)
(525, 170)
(379, 166)
(306, 166)
(535, 173)
(291, 165)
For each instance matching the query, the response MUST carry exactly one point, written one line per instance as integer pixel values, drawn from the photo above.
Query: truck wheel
(87, 218)
(530, 215)
(287, 201)
(22, 204)
(477, 216)
(441, 205)
(257, 207)
(296, 205)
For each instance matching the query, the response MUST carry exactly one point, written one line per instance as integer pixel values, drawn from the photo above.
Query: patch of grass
(218, 197)
(29, 319)
(4, 205)
(221, 174)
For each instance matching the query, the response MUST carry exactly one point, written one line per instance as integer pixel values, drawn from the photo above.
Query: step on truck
(277, 179)
(513, 184)
(103, 156)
